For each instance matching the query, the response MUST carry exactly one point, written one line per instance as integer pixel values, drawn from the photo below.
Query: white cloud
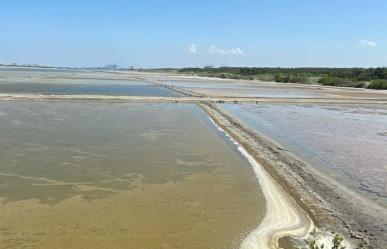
(367, 43)
(235, 51)
(192, 48)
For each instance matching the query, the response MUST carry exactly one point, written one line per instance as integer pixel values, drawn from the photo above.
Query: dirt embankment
(283, 217)
(329, 205)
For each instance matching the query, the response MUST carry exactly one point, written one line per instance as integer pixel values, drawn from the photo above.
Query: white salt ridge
(283, 217)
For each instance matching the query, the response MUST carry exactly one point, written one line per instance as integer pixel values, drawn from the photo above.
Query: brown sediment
(328, 204)
(121, 176)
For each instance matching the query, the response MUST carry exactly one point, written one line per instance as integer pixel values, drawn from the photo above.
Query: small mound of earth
(384, 133)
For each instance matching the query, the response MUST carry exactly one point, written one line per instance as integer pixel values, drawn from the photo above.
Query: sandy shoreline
(331, 207)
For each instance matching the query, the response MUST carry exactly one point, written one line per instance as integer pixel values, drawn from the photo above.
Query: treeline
(290, 78)
(375, 78)
(251, 71)
(378, 84)
(344, 82)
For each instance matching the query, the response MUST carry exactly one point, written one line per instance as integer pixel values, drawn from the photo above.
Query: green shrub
(283, 78)
(337, 241)
(290, 78)
(337, 81)
(298, 79)
(313, 245)
(378, 84)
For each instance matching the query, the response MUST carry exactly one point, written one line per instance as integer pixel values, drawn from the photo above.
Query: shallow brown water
(99, 175)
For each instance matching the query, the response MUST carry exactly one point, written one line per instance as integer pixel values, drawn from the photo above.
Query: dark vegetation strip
(372, 78)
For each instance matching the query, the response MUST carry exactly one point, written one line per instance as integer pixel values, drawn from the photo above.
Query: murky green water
(346, 142)
(98, 175)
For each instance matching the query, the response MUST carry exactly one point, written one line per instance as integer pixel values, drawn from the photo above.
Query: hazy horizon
(155, 34)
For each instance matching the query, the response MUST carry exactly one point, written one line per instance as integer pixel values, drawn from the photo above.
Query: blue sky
(182, 33)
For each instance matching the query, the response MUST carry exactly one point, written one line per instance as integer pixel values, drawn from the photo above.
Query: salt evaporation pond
(76, 82)
(346, 142)
(99, 175)
(245, 89)
(120, 89)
